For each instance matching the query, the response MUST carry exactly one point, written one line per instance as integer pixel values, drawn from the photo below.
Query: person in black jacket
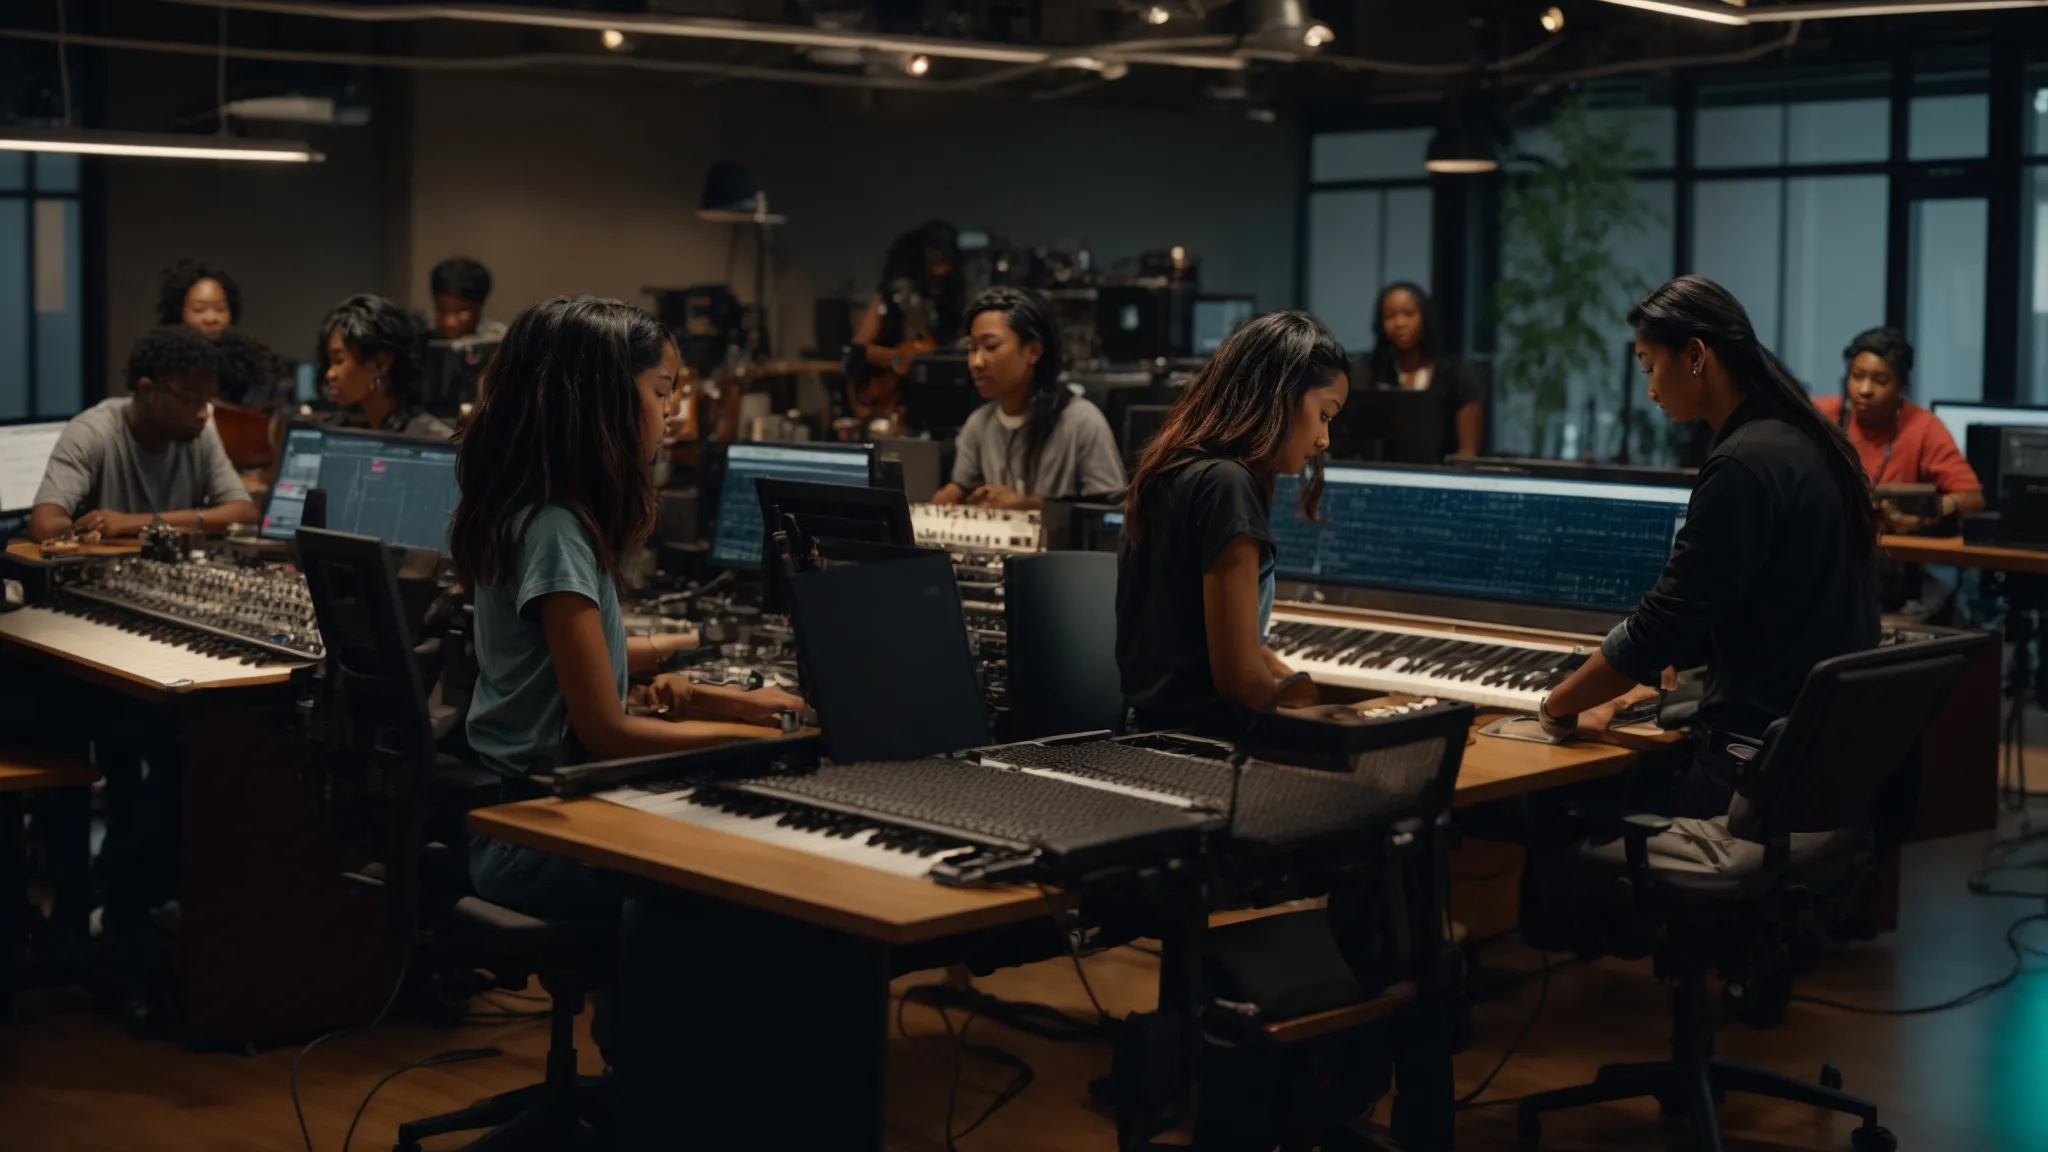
(1771, 570)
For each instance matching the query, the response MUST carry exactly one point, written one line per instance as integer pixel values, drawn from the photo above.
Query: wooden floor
(1971, 1080)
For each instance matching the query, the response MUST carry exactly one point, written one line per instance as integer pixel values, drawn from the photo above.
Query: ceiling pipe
(702, 28)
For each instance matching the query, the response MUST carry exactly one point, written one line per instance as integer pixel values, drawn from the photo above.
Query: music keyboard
(954, 820)
(845, 840)
(1486, 671)
(170, 657)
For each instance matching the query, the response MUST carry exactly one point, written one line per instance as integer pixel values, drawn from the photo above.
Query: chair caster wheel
(1529, 1127)
(1831, 1077)
(1871, 1138)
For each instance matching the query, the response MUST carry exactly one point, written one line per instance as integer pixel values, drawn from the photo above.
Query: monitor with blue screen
(1513, 539)
(401, 490)
(736, 539)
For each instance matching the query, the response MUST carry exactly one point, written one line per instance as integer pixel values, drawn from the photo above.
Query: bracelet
(1559, 726)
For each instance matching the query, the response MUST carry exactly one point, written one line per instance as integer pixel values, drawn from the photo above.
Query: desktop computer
(736, 537)
(400, 490)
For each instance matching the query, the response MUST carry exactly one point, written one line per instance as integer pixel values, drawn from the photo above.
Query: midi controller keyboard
(200, 623)
(1049, 809)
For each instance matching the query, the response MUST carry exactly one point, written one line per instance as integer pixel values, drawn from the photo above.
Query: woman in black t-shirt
(1408, 355)
(1195, 572)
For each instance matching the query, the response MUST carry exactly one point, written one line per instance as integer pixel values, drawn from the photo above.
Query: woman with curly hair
(198, 296)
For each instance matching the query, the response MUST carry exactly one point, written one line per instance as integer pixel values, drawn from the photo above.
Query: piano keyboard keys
(1483, 670)
(139, 647)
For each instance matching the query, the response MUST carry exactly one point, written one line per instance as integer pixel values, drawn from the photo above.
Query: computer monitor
(450, 371)
(1514, 539)
(828, 523)
(902, 616)
(938, 393)
(736, 537)
(24, 457)
(1217, 317)
(1141, 423)
(1391, 426)
(1082, 525)
(919, 464)
(399, 489)
(1576, 470)
(1959, 415)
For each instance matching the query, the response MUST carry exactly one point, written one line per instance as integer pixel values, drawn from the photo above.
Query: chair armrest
(1616, 823)
(1634, 829)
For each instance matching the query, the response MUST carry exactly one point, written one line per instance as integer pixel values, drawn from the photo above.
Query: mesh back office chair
(1061, 615)
(1718, 892)
(378, 775)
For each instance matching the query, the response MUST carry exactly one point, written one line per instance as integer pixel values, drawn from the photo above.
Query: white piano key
(1395, 676)
(139, 656)
(767, 829)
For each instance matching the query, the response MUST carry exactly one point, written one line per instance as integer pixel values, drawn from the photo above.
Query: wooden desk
(1952, 550)
(271, 944)
(29, 769)
(810, 940)
(64, 825)
(899, 910)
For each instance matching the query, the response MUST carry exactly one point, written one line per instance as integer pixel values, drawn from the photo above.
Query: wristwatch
(1557, 727)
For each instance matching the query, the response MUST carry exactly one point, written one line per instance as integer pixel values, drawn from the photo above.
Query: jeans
(640, 1023)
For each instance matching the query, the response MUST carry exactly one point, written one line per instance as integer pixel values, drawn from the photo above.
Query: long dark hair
(904, 266)
(1241, 406)
(558, 422)
(178, 280)
(1031, 319)
(1381, 365)
(370, 325)
(1696, 308)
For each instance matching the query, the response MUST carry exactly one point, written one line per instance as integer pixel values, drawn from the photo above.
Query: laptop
(885, 648)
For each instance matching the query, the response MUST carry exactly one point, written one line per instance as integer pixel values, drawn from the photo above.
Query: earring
(378, 383)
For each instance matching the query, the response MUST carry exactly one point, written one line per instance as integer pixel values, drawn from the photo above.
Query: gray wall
(565, 187)
(296, 237)
(572, 186)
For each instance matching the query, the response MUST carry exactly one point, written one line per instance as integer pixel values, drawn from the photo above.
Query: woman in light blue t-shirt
(557, 491)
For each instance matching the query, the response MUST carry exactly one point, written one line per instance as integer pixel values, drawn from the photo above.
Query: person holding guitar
(917, 308)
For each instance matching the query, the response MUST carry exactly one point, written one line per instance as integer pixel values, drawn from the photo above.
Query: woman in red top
(1898, 441)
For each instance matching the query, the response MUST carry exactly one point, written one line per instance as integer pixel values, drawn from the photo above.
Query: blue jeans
(641, 1022)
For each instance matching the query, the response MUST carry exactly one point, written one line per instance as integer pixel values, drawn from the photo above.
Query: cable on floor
(962, 1049)
(1528, 1026)
(404, 969)
(455, 1056)
(2020, 951)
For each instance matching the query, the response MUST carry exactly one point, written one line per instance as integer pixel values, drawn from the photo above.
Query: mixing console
(267, 609)
(969, 528)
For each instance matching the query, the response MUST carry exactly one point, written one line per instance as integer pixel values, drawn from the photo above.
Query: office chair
(1299, 1021)
(379, 776)
(1736, 892)
(1061, 614)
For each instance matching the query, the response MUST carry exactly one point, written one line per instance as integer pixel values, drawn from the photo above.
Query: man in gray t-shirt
(127, 461)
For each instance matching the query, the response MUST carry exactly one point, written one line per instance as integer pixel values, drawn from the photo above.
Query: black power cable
(1528, 1026)
(2020, 952)
(455, 1056)
(404, 969)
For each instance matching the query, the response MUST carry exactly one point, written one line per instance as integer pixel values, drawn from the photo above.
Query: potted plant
(1563, 287)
